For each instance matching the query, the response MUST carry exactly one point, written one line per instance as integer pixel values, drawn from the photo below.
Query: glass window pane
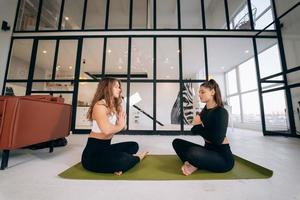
(116, 57)
(234, 105)
(167, 58)
(295, 92)
(168, 106)
(239, 14)
(269, 86)
(68, 98)
(124, 94)
(248, 78)
(264, 21)
(231, 82)
(251, 110)
(262, 13)
(275, 111)
(72, 17)
(27, 15)
(39, 93)
(193, 63)
(268, 58)
(141, 113)
(15, 89)
(293, 77)
(95, 14)
(118, 14)
(91, 59)
(224, 54)
(213, 20)
(52, 86)
(166, 11)
(86, 92)
(66, 59)
(20, 59)
(142, 58)
(259, 6)
(142, 14)
(291, 37)
(50, 15)
(191, 14)
(44, 59)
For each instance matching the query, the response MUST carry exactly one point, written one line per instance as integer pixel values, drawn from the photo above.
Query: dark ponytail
(212, 84)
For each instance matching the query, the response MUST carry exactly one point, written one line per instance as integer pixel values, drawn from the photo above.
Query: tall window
(248, 75)
(191, 14)
(142, 14)
(27, 15)
(91, 58)
(44, 59)
(167, 58)
(118, 14)
(50, 15)
(72, 16)
(231, 82)
(242, 89)
(166, 11)
(95, 14)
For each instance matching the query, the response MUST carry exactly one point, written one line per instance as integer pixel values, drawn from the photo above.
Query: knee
(134, 147)
(176, 142)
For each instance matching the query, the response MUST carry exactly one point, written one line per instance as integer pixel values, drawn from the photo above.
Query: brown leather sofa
(29, 120)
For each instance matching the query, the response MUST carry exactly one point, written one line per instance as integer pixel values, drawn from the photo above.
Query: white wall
(7, 13)
(220, 79)
(283, 6)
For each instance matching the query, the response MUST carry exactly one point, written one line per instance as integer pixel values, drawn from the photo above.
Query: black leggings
(216, 158)
(102, 156)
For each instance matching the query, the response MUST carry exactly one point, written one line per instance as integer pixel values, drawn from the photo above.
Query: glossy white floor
(33, 174)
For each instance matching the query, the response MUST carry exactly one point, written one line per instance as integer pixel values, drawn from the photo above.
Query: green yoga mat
(168, 167)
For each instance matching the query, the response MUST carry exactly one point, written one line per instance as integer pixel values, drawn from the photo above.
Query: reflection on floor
(33, 174)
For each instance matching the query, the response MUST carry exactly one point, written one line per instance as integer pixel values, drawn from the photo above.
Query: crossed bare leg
(141, 155)
(188, 169)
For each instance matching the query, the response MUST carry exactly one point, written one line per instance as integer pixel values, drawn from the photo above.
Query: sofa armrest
(37, 121)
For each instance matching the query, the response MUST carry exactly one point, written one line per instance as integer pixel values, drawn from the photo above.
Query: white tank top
(95, 128)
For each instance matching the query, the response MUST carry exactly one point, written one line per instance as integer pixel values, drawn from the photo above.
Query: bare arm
(100, 115)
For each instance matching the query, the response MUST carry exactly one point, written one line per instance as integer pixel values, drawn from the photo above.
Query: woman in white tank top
(108, 119)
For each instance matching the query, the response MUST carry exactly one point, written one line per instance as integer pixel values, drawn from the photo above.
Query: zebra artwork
(187, 95)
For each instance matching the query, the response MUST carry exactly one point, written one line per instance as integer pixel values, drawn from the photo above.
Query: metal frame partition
(291, 132)
(131, 33)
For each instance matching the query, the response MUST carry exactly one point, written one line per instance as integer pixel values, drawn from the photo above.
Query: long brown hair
(212, 84)
(105, 91)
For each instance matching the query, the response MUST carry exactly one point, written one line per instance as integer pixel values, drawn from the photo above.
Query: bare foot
(142, 155)
(183, 169)
(118, 173)
(188, 169)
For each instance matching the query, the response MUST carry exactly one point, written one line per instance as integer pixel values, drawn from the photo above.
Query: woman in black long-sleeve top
(211, 124)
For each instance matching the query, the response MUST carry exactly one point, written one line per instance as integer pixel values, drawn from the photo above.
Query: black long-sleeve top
(215, 122)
